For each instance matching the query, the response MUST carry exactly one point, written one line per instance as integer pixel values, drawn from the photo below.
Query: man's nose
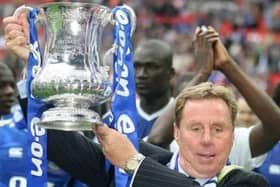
(141, 72)
(206, 136)
(9, 90)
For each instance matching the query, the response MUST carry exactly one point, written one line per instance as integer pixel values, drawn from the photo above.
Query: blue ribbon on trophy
(37, 153)
(123, 108)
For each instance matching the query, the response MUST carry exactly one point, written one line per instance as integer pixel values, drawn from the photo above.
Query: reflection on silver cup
(72, 77)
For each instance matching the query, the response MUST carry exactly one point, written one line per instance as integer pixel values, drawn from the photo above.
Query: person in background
(270, 168)
(13, 140)
(249, 142)
(245, 116)
(152, 60)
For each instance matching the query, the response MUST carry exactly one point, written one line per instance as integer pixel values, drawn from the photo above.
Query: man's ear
(175, 132)
(233, 137)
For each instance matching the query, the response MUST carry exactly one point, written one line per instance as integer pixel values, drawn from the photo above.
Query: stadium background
(249, 28)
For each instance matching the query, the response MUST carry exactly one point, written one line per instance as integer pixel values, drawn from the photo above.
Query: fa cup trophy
(72, 76)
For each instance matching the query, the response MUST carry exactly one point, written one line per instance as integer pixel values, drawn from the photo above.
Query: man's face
(152, 76)
(205, 137)
(245, 116)
(7, 90)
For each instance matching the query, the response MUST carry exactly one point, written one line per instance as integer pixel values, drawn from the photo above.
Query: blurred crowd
(249, 28)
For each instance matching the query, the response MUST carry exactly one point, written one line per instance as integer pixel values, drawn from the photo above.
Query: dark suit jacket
(84, 160)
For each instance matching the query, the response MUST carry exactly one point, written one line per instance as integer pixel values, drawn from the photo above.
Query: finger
(95, 124)
(19, 46)
(13, 26)
(24, 23)
(208, 32)
(202, 34)
(15, 33)
(212, 40)
(211, 35)
(18, 22)
(9, 20)
(195, 34)
(100, 140)
(197, 30)
(17, 41)
(104, 150)
(210, 28)
(102, 130)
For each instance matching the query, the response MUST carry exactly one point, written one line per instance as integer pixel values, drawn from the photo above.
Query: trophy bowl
(72, 77)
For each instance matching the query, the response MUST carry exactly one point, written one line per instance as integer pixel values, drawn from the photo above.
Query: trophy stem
(69, 119)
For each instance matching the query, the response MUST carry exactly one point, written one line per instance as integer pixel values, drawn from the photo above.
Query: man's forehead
(147, 56)
(6, 74)
(148, 53)
(144, 51)
(215, 103)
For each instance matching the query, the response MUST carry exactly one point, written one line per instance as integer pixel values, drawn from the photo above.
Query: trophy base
(69, 119)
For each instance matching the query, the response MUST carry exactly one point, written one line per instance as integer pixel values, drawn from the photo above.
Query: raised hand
(115, 146)
(203, 48)
(221, 56)
(16, 32)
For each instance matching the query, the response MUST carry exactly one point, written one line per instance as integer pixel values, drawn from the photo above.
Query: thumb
(102, 130)
(24, 22)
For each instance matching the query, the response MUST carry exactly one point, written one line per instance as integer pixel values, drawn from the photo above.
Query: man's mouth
(206, 156)
(141, 85)
(8, 102)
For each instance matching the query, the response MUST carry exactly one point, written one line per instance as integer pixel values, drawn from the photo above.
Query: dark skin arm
(265, 134)
(162, 131)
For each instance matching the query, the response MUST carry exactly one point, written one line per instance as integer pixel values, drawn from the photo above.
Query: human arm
(78, 156)
(162, 131)
(118, 150)
(264, 135)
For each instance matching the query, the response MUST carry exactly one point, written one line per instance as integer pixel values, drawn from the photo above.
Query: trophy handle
(20, 9)
(108, 56)
(132, 17)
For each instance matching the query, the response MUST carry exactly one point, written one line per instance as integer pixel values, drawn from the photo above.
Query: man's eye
(218, 129)
(153, 66)
(136, 66)
(195, 129)
(4, 84)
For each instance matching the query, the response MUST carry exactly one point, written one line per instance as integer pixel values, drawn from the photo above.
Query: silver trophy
(73, 77)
